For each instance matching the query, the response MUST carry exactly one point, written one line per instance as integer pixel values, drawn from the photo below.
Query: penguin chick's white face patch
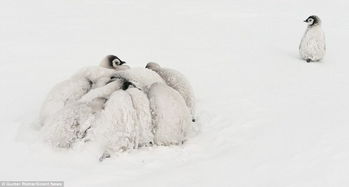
(310, 21)
(116, 62)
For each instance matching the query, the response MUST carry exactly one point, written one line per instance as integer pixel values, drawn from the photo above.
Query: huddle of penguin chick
(313, 47)
(117, 108)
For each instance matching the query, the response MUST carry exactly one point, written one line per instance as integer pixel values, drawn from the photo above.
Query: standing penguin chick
(312, 47)
(113, 62)
(177, 81)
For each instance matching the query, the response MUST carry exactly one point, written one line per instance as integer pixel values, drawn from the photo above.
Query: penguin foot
(308, 60)
(104, 156)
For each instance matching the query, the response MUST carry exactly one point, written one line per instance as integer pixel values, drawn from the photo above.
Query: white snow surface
(267, 118)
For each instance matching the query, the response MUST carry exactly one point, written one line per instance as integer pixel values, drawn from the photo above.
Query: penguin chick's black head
(152, 65)
(127, 84)
(313, 20)
(114, 61)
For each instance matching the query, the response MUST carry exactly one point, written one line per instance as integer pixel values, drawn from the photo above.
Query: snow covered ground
(267, 118)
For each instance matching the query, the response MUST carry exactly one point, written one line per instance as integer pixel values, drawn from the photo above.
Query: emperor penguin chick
(177, 81)
(72, 89)
(70, 124)
(125, 122)
(114, 129)
(312, 47)
(170, 116)
(143, 121)
(113, 62)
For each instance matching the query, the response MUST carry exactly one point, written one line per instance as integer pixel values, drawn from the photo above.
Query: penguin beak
(122, 62)
(305, 21)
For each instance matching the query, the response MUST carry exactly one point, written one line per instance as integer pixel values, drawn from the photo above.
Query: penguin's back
(142, 76)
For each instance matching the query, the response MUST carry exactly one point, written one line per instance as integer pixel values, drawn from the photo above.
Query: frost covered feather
(142, 77)
(116, 112)
(114, 128)
(143, 116)
(73, 89)
(104, 91)
(125, 123)
(170, 116)
(71, 122)
(177, 81)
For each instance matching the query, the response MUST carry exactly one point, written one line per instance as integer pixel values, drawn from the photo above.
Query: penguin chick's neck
(314, 27)
(317, 24)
